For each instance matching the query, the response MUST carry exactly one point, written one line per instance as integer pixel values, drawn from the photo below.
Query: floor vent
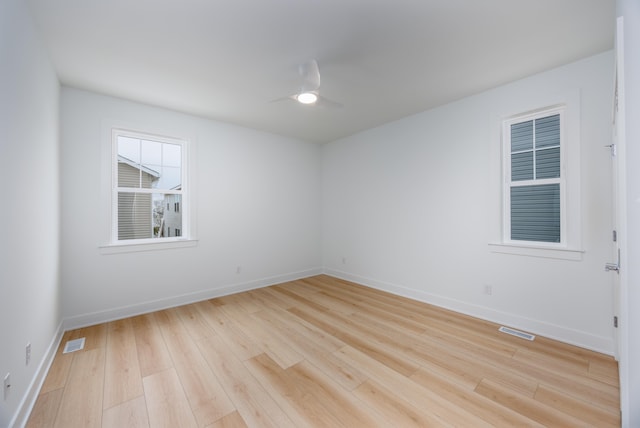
(73, 345)
(517, 333)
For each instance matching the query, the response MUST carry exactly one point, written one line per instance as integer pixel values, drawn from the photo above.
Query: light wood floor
(321, 352)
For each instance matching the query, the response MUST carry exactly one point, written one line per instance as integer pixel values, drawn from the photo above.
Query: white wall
(630, 273)
(30, 212)
(411, 206)
(388, 216)
(257, 206)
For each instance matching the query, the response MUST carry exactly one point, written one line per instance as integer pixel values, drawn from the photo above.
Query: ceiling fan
(309, 91)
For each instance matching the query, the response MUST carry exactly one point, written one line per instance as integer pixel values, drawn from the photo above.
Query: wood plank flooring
(321, 352)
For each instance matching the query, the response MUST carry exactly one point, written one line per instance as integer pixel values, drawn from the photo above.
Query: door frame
(621, 342)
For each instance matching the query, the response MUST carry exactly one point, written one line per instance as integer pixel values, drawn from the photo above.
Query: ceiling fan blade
(311, 76)
(292, 97)
(327, 103)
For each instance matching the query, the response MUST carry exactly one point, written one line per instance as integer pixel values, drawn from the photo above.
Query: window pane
(171, 178)
(128, 174)
(548, 163)
(128, 159)
(522, 136)
(129, 148)
(136, 176)
(144, 215)
(134, 216)
(548, 131)
(172, 216)
(132, 173)
(148, 173)
(522, 166)
(165, 160)
(151, 154)
(535, 213)
(172, 155)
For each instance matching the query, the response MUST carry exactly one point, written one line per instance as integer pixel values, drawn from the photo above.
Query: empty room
(302, 213)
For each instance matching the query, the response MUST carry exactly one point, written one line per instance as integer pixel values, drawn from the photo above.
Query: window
(534, 191)
(148, 174)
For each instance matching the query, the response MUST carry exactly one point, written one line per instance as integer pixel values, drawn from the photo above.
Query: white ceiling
(382, 59)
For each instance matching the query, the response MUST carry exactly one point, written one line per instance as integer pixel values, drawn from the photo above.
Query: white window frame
(187, 238)
(520, 106)
(509, 184)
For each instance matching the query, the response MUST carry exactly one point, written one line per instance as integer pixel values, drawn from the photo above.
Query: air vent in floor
(73, 345)
(517, 333)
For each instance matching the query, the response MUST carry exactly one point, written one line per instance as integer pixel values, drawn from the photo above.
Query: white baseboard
(563, 334)
(184, 299)
(21, 417)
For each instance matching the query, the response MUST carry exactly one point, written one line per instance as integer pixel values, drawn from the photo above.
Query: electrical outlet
(238, 269)
(344, 260)
(28, 354)
(488, 290)
(7, 386)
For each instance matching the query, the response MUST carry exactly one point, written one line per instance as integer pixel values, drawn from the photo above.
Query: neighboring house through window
(134, 219)
(173, 217)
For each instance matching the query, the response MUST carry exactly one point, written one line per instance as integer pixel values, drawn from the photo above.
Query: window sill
(147, 246)
(533, 251)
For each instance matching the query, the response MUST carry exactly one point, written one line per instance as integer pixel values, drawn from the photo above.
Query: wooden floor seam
(321, 352)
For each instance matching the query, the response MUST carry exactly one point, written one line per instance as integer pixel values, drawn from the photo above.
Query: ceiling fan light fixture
(307, 98)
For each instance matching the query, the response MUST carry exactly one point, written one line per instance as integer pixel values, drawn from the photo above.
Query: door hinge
(615, 321)
(615, 236)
